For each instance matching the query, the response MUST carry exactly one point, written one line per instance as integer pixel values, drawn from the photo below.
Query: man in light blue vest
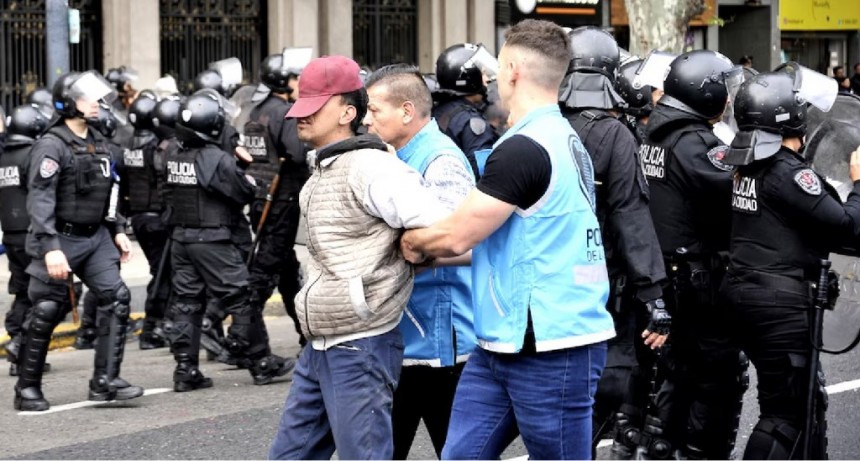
(539, 274)
(437, 328)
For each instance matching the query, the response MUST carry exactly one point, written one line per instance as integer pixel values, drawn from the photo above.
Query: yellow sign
(819, 14)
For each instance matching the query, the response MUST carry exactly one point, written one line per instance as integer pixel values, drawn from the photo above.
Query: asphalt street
(237, 420)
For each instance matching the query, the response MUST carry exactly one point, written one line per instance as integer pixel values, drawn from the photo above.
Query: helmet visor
(653, 70)
(92, 87)
(486, 62)
(816, 88)
(295, 59)
(230, 70)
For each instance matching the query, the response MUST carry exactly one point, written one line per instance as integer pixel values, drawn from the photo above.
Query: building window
(385, 32)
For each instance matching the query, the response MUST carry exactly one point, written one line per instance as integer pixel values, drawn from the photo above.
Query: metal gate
(197, 32)
(385, 32)
(23, 49)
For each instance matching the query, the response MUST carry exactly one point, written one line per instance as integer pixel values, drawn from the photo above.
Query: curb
(65, 333)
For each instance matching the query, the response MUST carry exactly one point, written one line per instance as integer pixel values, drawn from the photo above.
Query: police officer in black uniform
(588, 100)
(70, 182)
(460, 99)
(144, 206)
(698, 405)
(785, 220)
(273, 143)
(121, 78)
(206, 189)
(27, 123)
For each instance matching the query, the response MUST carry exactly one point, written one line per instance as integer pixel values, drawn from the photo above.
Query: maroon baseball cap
(321, 79)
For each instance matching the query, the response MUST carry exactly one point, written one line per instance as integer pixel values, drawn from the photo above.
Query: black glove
(661, 319)
(832, 288)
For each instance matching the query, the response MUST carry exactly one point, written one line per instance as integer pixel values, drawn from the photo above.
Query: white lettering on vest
(256, 146)
(653, 161)
(182, 173)
(744, 195)
(133, 158)
(9, 176)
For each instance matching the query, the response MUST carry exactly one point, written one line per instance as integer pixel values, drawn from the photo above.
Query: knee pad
(121, 294)
(773, 438)
(48, 311)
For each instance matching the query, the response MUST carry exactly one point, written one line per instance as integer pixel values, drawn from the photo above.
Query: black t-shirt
(518, 172)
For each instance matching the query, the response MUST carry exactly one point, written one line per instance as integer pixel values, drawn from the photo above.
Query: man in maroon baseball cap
(356, 203)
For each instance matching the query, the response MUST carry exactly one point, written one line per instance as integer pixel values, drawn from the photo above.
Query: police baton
(265, 214)
(70, 284)
(822, 301)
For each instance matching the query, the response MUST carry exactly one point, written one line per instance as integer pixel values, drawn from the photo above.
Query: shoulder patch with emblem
(808, 181)
(716, 156)
(477, 125)
(48, 168)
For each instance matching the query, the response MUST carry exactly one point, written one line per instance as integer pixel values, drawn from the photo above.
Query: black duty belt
(77, 230)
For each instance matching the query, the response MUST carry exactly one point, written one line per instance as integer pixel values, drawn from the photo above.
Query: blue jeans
(342, 397)
(547, 398)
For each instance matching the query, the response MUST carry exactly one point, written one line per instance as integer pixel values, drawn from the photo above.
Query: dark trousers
(151, 233)
(217, 268)
(275, 262)
(700, 399)
(19, 280)
(423, 393)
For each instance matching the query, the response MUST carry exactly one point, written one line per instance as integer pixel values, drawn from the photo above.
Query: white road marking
(842, 387)
(87, 403)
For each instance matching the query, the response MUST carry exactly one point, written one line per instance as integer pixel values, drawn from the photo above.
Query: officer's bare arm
(473, 221)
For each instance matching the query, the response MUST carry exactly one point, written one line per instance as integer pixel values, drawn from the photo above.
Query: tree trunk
(660, 24)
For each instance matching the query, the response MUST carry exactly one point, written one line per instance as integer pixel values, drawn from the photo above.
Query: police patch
(808, 181)
(48, 168)
(477, 125)
(716, 156)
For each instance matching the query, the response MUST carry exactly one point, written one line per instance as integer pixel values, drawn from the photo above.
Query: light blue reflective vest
(547, 259)
(440, 309)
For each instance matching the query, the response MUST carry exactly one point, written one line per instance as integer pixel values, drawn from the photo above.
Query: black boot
(187, 377)
(150, 337)
(265, 370)
(626, 437)
(106, 384)
(31, 357)
(653, 443)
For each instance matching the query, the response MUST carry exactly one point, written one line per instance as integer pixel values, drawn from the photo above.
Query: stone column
(482, 23)
(294, 23)
(131, 33)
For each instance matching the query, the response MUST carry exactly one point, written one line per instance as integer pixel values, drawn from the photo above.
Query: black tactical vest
(144, 194)
(258, 140)
(190, 205)
(762, 238)
(13, 188)
(83, 190)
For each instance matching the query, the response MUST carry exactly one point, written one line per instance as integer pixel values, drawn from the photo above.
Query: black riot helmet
(638, 100)
(769, 102)
(276, 75)
(455, 75)
(27, 123)
(141, 110)
(208, 79)
(64, 103)
(202, 116)
(119, 77)
(165, 114)
(43, 98)
(594, 50)
(700, 83)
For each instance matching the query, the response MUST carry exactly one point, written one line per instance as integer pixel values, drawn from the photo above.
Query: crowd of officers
(711, 244)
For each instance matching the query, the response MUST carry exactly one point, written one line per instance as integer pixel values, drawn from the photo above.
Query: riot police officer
(206, 190)
(635, 264)
(785, 220)
(145, 205)
(273, 143)
(122, 78)
(698, 405)
(640, 101)
(460, 98)
(27, 123)
(70, 181)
